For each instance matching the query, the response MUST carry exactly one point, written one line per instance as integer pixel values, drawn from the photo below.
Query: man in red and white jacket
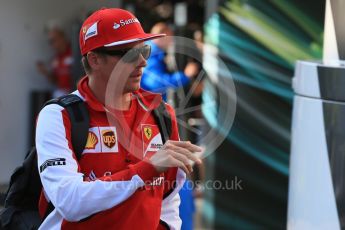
(126, 178)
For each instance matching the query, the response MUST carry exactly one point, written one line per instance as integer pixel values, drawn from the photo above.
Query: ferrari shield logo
(148, 132)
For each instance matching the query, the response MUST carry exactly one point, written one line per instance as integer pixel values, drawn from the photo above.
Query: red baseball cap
(111, 27)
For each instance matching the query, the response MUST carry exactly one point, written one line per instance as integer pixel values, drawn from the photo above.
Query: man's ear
(94, 60)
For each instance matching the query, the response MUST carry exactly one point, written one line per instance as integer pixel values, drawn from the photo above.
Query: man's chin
(131, 89)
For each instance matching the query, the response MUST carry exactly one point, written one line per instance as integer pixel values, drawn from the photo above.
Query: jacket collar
(147, 100)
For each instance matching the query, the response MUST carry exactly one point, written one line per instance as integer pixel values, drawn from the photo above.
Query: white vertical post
(330, 47)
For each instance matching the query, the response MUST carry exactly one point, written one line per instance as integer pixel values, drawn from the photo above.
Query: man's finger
(181, 166)
(188, 145)
(182, 158)
(190, 155)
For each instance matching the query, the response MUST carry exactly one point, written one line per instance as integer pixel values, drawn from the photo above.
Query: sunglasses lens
(146, 51)
(133, 54)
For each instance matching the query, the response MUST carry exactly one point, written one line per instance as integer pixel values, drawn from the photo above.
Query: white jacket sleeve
(63, 185)
(171, 204)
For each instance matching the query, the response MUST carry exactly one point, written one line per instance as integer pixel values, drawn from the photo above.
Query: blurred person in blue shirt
(157, 77)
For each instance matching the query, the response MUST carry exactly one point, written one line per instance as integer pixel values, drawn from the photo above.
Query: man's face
(57, 41)
(165, 42)
(126, 74)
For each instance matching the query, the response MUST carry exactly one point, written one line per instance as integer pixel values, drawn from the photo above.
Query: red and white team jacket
(111, 187)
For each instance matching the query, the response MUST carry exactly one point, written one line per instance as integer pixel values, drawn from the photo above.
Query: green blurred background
(260, 42)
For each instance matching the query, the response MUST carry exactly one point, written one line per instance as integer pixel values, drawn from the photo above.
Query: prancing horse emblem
(148, 132)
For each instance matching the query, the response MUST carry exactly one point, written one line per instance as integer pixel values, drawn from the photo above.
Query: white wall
(22, 43)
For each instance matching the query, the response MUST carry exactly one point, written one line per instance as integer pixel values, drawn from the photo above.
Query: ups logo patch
(109, 138)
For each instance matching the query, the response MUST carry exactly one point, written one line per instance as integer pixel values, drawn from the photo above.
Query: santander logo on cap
(124, 22)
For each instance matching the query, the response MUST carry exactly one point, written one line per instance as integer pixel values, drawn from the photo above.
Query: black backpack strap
(163, 119)
(79, 117)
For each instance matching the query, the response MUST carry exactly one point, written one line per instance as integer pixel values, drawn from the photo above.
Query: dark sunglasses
(128, 55)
